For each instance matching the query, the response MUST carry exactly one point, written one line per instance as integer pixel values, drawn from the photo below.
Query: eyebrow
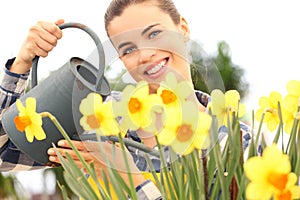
(148, 28)
(124, 44)
(143, 32)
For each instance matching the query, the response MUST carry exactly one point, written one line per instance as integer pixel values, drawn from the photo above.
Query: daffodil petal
(29, 134)
(218, 101)
(293, 87)
(90, 104)
(258, 191)
(232, 98)
(31, 104)
(20, 106)
(274, 98)
(182, 148)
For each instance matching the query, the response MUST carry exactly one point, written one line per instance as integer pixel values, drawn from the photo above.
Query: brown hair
(117, 7)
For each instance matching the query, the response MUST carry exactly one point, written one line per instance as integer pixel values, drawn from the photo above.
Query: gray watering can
(60, 94)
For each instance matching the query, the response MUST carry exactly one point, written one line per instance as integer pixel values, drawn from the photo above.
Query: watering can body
(60, 94)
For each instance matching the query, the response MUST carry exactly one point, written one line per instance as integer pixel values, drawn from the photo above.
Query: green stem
(66, 136)
(137, 145)
(127, 142)
(133, 194)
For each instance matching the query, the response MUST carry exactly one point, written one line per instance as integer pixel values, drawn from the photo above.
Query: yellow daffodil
(291, 104)
(98, 115)
(29, 121)
(271, 176)
(221, 104)
(185, 130)
(173, 94)
(269, 106)
(171, 91)
(137, 107)
(289, 107)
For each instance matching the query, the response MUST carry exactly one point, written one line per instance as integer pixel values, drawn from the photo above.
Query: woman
(149, 36)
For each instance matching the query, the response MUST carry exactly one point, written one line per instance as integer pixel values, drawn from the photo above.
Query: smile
(155, 69)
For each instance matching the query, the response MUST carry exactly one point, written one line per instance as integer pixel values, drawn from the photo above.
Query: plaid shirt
(12, 86)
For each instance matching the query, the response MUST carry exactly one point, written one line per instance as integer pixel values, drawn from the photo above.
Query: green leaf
(165, 174)
(63, 191)
(153, 172)
(219, 161)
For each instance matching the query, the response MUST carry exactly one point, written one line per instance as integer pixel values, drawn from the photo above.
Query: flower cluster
(272, 106)
(170, 113)
(173, 115)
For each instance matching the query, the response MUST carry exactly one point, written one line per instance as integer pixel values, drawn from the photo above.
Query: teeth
(157, 67)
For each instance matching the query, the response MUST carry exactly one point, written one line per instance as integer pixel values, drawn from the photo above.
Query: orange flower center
(287, 195)
(134, 105)
(168, 96)
(22, 122)
(184, 133)
(278, 180)
(93, 121)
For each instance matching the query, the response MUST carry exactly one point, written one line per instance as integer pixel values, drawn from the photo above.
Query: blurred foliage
(211, 72)
(7, 189)
(58, 173)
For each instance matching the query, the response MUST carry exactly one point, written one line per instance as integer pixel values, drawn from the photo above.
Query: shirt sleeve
(148, 191)
(12, 86)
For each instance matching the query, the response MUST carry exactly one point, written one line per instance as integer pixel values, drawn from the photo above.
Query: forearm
(12, 86)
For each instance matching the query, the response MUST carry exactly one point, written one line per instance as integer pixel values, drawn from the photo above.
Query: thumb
(59, 22)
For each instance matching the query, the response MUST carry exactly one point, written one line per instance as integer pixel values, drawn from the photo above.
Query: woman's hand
(41, 39)
(103, 154)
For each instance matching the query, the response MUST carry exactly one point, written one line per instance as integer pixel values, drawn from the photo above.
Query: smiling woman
(146, 45)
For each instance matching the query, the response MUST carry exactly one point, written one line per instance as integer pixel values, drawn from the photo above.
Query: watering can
(60, 94)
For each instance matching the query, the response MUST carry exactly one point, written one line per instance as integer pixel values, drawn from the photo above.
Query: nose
(146, 54)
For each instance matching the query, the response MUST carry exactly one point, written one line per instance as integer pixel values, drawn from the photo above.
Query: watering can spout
(60, 94)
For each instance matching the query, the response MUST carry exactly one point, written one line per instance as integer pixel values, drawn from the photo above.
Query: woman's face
(149, 43)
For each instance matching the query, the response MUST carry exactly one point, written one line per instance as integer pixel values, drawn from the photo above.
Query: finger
(59, 22)
(43, 47)
(31, 49)
(50, 38)
(78, 144)
(55, 159)
(86, 156)
(51, 28)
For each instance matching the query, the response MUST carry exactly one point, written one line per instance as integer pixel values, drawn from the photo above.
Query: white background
(264, 38)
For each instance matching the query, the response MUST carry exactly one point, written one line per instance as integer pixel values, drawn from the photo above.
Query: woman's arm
(41, 39)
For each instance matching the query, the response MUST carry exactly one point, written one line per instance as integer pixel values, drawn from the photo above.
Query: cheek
(130, 64)
(132, 68)
(172, 42)
(181, 67)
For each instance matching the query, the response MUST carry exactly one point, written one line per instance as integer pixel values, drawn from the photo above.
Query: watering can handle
(99, 49)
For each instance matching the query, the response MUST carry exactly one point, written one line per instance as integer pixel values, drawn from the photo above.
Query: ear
(184, 28)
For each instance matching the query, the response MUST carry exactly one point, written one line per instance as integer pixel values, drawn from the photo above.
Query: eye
(154, 34)
(128, 51)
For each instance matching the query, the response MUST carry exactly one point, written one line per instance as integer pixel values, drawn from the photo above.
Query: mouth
(156, 68)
